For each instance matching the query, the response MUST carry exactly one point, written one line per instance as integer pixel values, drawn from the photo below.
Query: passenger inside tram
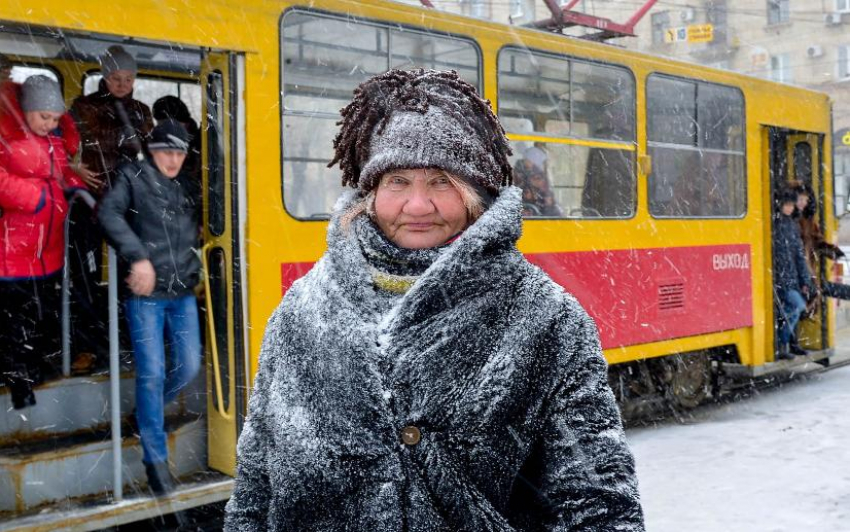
(531, 176)
(110, 137)
(30, 288)
(172, 107)
(792, 279)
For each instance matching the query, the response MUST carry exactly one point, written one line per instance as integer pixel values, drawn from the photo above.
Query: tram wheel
(690, 381)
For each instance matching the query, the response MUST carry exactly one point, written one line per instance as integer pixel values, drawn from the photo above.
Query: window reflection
(582, 164)
(570, 181)
(696, 143)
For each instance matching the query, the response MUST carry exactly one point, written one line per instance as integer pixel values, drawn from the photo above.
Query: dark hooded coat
(789, 260)
(499, 369)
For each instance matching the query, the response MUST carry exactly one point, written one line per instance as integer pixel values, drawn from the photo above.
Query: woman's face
(120, 83)
(42, 122)
(802, 202)
(418, 209)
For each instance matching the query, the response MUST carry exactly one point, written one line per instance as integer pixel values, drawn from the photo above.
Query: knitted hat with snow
(169, 135)
(40, 93)
(117, 58)
(421, 119)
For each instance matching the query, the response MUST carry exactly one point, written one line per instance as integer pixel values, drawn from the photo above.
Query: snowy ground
(778, 461)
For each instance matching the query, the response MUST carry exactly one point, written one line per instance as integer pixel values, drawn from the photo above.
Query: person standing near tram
(34, 177)
(113, 126)
(423, 375)
(151, 218)
(792, 278)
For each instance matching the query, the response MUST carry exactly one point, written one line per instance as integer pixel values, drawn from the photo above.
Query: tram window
(534, 88)
(603, 102)
(21, 73)
(413, 49)
(560, 96)
(215, 153)
(672, 112)
(572, 181)
(695, 132)
(803, 162)
(557, 97)
(318, 77)
(309, 186)
(149, 90)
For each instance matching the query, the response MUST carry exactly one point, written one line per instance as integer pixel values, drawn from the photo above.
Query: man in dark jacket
(791, 276)
(150, 218)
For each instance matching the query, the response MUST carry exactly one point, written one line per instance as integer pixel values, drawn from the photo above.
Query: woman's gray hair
(470, 197)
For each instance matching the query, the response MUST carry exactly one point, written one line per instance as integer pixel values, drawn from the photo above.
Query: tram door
(218, 119)
(796, 156)
(804, 164)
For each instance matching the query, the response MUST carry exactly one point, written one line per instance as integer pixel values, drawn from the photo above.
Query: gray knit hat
(40, 93)
(405, 119)
(117, 58)
(430, 140)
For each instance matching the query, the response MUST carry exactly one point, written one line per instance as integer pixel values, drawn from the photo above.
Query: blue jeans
(151, 319)
(793, 305)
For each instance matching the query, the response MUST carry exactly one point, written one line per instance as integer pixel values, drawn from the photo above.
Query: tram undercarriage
(657, 387)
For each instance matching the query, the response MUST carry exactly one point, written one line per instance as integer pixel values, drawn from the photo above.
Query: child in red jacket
(34, 177)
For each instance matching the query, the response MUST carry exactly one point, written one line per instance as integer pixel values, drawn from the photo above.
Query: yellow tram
(663, 175)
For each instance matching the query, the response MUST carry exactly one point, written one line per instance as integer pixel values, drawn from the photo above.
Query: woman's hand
(142, 278)
(89, 178)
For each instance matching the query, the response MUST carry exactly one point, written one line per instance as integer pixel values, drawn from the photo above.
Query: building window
(695, 133)
(660, 24)
(843, 62)
(479, 9)
(778, 11)
(842, 6)
(517, 9)
(780, 68)
(572, 129)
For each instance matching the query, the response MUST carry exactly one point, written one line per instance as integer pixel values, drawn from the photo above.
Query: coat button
(410, 435)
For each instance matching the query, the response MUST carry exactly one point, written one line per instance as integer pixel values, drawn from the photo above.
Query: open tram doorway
(57, 453)
(798, 156)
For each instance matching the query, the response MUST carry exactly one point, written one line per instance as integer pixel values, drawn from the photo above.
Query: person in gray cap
(34, 178)
(424, 375)
(108, 140)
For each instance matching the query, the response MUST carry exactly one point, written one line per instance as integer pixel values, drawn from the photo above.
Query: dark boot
(795, 348)
(783, 353)
(20, 387)
(160, 480)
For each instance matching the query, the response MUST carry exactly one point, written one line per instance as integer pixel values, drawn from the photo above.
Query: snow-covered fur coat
(494, 363)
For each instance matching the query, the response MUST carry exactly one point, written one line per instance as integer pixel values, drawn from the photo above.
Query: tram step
(740, 371)
(80, 466)
(77, 405)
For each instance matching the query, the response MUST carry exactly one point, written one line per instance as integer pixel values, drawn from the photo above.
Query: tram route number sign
(695, 33)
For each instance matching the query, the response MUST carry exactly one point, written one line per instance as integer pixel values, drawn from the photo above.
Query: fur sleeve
(588, 479)
(248, 507)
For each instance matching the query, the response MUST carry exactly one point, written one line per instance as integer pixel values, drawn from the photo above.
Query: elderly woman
(423, 375)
